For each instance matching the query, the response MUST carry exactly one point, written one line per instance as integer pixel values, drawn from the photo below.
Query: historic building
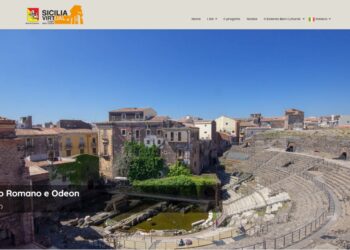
(273, 122)
(16, 228)
(209, 140)
(76, 137)
(182, 144)
(174, 139)
(40, 143)
(227, 125)
(294, 119)
(67, 138)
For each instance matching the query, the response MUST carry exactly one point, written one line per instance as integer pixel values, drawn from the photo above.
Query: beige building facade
(228, 125)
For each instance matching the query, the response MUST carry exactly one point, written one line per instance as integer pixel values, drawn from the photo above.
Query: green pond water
(168, 220)
(171, 220)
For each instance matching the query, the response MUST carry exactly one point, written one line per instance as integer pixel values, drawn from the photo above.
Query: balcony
(81, 145)
(105, 156)
(105, 141)
(68, 146)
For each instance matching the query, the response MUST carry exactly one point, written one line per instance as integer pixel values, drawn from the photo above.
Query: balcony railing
(68, 146)
(105, 156)
(81, 145)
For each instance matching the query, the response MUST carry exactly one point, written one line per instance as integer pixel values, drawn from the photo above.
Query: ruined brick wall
(14, 172)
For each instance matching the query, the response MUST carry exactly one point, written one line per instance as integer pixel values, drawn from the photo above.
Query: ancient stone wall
(333, 146)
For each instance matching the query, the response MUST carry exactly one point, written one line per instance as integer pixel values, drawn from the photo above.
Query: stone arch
(290, 147)
(343, 156)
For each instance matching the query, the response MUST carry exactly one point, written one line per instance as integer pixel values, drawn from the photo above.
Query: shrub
(183, 185)
(178, 169)
(142, 162)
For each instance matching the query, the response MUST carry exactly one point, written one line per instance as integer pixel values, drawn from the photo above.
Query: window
(137, 134)
(179, 153)
(159, 142)
(51, 156)
(124, 116)
(50, 141)
(148, 142)
(148, 131)
(179, 136)
(68, 152)
(171, 136)
(137, 116)
(94, 140)
(29, 142)
(226, 123)
(94, 151)
(68, 142)
(105, 150)
(159, 132)
(123, 131)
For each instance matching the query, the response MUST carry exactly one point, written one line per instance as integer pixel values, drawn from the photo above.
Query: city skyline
(178, 73)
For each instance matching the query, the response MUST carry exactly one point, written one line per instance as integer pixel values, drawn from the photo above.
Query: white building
(207, 129)
(344, 120)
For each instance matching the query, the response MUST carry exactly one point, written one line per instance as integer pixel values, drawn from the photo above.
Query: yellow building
(77, 141)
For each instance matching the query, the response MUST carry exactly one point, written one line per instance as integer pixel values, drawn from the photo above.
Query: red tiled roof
(160, 118)
(36, 131)
(51, 131)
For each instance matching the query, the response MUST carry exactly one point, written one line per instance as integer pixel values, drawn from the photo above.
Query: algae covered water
(171, 221)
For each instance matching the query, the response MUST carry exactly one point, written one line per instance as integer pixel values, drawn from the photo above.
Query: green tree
(143, 162)
(178, 169)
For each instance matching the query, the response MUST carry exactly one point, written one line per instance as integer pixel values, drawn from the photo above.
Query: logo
(32, 15)
(56, 16)
(75, 16)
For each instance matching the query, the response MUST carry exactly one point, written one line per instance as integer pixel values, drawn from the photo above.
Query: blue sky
(83, 74)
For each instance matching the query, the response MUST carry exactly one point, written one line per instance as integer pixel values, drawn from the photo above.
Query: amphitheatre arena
(301, 183)
(280, 189)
